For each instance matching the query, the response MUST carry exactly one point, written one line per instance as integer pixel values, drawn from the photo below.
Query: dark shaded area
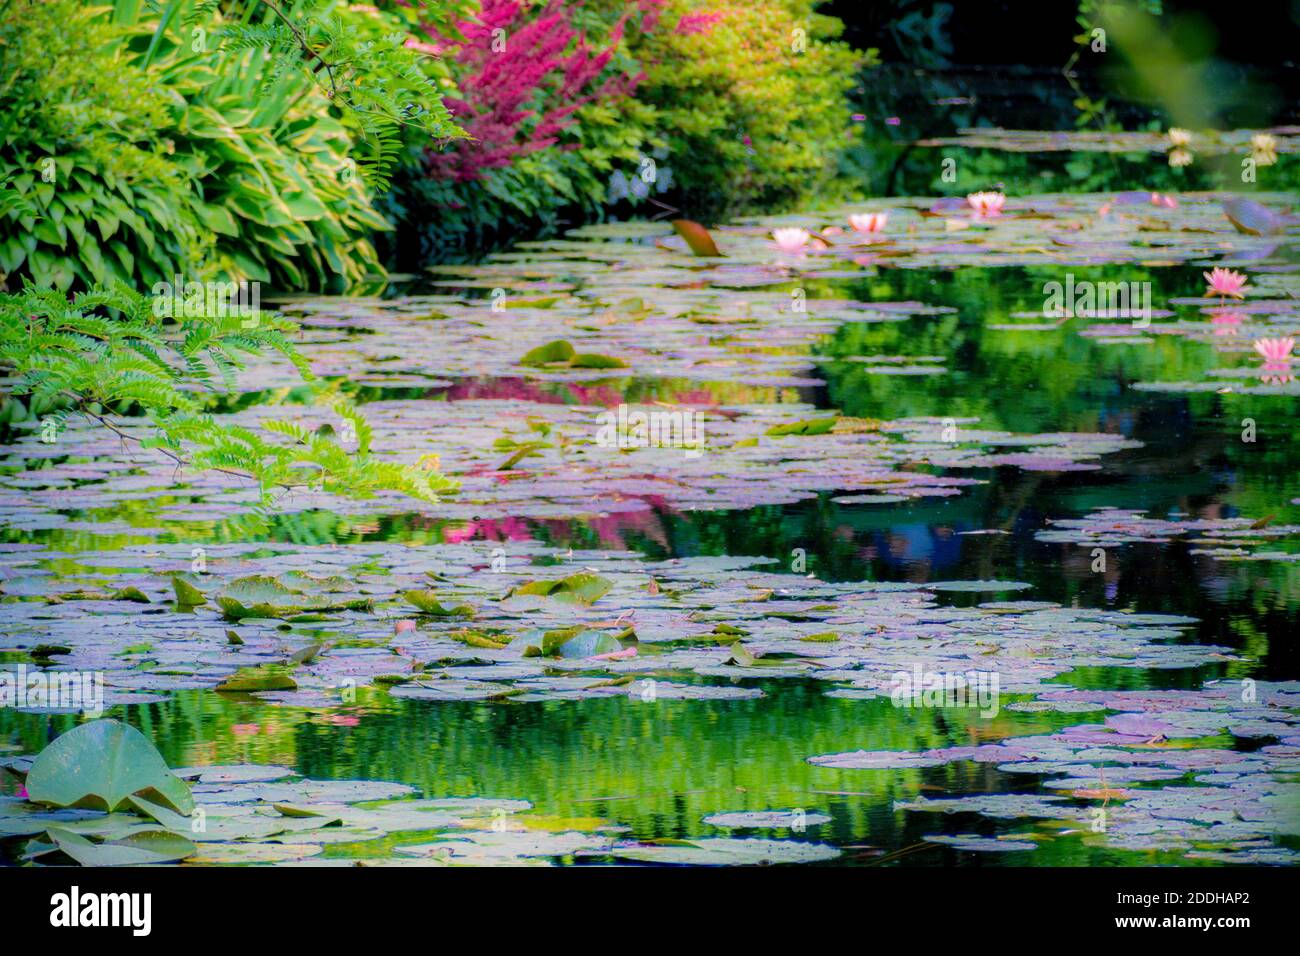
(1040, 32)
(946, 65)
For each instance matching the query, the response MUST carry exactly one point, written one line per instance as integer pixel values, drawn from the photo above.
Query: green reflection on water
(657, 767)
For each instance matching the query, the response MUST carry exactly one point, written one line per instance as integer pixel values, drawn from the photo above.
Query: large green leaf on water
(741, 656)
(809, 426)
(590, 643)
(592, 360)
(187, 595)
(561, 352)
(553, 639)
(99, 766)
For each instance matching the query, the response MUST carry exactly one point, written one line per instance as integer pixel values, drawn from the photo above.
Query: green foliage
(83, 143)
(751, 98)
(148, 139)
(358, 59)
(108, 351)
(275, 182)
(540, 192)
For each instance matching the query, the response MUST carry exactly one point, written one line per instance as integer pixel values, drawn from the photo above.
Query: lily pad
(582, 588)
(100, 765)
(141, 848)
(550, 353)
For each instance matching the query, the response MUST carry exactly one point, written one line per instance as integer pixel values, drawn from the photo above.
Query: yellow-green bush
(751, 97)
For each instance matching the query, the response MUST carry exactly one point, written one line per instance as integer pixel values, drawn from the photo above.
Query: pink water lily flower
(987, 203)
(870, 222)
(1276, 352)
(1169, 202)
(245, 730)
(401, 627)
(791, 240)
(616, 655)
(1225, 282)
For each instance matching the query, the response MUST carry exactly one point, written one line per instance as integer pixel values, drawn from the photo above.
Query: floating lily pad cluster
(1142, 780)
(628, 303)
(1224, 539)
(750, 455)
(548, 625)
(1209, 142)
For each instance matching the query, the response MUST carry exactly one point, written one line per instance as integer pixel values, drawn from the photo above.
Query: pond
(908, 464)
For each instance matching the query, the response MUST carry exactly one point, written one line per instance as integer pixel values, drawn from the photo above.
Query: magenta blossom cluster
(521, 78)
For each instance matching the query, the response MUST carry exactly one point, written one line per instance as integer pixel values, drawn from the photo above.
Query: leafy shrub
(271, 173)
(591, 107)
(197, 142)
(751, 98)
(546, 95)
(84, 144)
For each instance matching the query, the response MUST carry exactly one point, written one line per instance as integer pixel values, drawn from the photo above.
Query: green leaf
(809, 426)
(187, 595)
(305, 655)
(263, 677)
(589, 643)
(140, 848)
(477, 639)
(557, 351)
(427, 602)
(582, 588)
(99, 765)
(741, 656)
(260, 596)
(588, 360)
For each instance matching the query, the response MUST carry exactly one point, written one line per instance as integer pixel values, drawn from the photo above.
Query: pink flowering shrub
(521, 83)
(580, 108)
(550, 110)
